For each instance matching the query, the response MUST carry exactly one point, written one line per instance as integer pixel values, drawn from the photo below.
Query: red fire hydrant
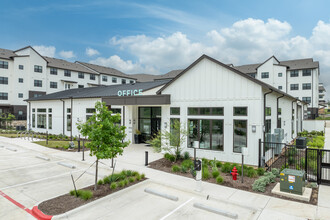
(234, 173)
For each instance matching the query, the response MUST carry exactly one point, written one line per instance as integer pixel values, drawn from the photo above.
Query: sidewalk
(133, 158)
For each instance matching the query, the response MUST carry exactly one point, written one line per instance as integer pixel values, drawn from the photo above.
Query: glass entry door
(149, 122)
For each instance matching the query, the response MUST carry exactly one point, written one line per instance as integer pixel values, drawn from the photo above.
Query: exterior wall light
(130, 121)
(254, 128)
(165, 124)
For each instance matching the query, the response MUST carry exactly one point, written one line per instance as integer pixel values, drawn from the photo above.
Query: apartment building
(24, 74)
(322, 93)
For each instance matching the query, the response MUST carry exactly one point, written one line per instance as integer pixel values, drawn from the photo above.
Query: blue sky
(158, 36)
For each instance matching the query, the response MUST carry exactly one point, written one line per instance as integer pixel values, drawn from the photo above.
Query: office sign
(133, 92)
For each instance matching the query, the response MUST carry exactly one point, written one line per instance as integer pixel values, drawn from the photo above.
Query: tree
(170, 141)
(7, 117)
(105, 134)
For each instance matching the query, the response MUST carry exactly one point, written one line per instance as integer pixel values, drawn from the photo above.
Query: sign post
(197, 168)
(244, 153)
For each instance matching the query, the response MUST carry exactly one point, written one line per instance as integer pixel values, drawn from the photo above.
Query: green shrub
(172, 158)
(218, 164)
(129, 173)
(184, 169)
(186, 155)
(226, 168)
(215, 172)
(252, 173)
(167, 156)
(271, 177)
(205, 173)
(135, 173)
(187, 164)
(121, 183)
(276, 172)
(83, 194)
(234, 165)
(291, 160)
(125, 181)
(138, 177)
(113, 185)
(175, 168)
(107, 180)
(219, 179)
(205, 162)
(123, 172)
(100, 182)
(259, 185)
(143, 175)
(260, 171)
(131, 179)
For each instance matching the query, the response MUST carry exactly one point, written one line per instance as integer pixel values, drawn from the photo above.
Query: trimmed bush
(219, 179)
(226, 168)
(172, 158)
(215, 172)
(186, 155)
(175, 168)
(260, 171)
(276, 172)
(125, 181)
(100, 182)
(135, 173)
(121, 183)
(138, 177)
(187, 164)
(131, 179)
(83, 194)
(113, 186)
(259, 185)
(129, 173)
(205, 173)
(143, 176)
(218, 164)
(252, 173)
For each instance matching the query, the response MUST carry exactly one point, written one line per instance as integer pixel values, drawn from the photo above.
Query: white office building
(24, 74)
(222, 108)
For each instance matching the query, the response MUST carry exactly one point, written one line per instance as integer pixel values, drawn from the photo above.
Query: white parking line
(179, 207)
(39, 180)
(34, 165)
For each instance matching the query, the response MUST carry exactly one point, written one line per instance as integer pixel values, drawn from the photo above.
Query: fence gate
(324, 158)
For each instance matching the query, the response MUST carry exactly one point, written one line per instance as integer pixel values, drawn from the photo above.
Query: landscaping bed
(225, 178)
(106, 186)
(61, 145)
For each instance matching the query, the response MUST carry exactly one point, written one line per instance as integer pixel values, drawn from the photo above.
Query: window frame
(21, 67)
(175, 108)
(81, 75)
(306, 86)
(114, 80)
(37, 83)
(37, 69)
(67, 73)
(294, 73)
(53, 85)
(3, 95)
(264, 74)
(306, 73)
(20, 80)
(3, 64)
(247, 131)
(247, 110)
(53, 71)
(3, 80)
(92, 76)
(104, 78)
(294, 86)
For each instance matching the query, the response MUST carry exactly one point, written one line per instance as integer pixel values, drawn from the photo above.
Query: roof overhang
(68, 81)
(138, 100)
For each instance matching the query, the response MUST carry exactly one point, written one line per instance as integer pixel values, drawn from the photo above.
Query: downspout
(277, 125)
(265, 114)
(29, 116)
(313, 116)
(71, 117)
(292, 125)
(63, 116)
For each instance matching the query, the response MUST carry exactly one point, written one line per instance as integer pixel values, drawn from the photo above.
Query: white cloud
(67, 54)
(48, 51)
(91, 52)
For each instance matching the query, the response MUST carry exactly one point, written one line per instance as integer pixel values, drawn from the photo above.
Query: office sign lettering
(129, 92)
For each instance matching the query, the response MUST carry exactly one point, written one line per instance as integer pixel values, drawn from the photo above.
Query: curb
(39, 214)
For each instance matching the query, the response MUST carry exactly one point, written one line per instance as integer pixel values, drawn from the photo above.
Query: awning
(68, 81)
(138, 100)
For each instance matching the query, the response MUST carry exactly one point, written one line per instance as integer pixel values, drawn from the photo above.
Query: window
(307, 99)
(20, 95)
(68, 110)
(67, 86)
(280, 87)
(253, 75)
(208, 132)
(33, 110)
(115, 110)
(240, 135)
(4, 80)
(33, 120)
(307, 72)
(268, 127)
(21, 67)
(53, 85)
(90, 110)
(264, 75)
(131, 81)
(3, 96)
(36, 95)
(175, 132)
(20, 80)
(294, 73)
(81, 75)
(268, 111)
(80, 86)
(114, 79)
(68, 122)
(123, 81)
(3, 64)
(41, 121)
(50, 121)
(240, 111)
(53, 71)
(42, 110)
(50, 110)
(37, 69)
(67, 73)
(306, 86)
(294, 86)
(104, 78)
(206, 111)
(92, 77)
(175, 111)
(37, 83)
(279, 74)
(279, 110)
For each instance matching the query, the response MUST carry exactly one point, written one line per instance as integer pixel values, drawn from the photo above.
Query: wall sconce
(133, 121)
(165, 124)
(130, 121)
(254, 129)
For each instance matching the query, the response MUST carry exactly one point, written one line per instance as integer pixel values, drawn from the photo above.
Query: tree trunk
(96, 173)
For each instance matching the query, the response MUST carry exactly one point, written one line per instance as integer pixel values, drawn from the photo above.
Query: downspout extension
(277, 125)
(264, 128)
(63, 116)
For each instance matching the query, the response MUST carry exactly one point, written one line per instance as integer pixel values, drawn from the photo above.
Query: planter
(137, 138)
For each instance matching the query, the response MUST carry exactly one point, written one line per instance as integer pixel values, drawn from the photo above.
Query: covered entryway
(149, 122)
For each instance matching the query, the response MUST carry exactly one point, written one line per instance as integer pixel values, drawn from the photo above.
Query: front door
(149, 122)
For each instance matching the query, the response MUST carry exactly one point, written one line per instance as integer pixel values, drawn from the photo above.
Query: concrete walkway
(133, 158)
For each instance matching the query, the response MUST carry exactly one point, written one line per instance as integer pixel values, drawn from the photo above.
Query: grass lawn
(9, 135)
(57, 144)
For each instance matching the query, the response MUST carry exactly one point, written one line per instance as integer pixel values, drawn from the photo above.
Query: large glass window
(268, 111)
(149, 122)
(68, 122)
(3, 64)
(41, 121)
(240, 135)
(115, 110)
(240, 111)
(294, 73)
(209, 133)
(4, 80)
(264, 75)
(175, 140)
(33, 120)
(175, 110)
(206, 111)
(50, 121)
(307, 72)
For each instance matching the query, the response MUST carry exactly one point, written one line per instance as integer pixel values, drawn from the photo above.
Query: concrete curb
(66, 165)
(215, 210)
(161, 194)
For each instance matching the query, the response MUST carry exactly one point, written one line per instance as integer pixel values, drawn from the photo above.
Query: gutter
(265, 116)
(277, 124)
(63, 116)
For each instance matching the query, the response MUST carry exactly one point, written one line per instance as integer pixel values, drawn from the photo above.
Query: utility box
(301, 142)
(292, 181)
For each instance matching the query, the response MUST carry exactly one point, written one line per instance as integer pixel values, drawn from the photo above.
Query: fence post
(46, 137)
(259, 162)
(83, 154)
(79, 143)
(318, 167)
(306, 161)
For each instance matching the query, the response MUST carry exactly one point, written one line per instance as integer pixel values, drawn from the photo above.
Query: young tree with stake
(105, 134)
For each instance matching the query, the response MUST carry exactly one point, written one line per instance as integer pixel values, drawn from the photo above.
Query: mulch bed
(166, 166)
(65, 203)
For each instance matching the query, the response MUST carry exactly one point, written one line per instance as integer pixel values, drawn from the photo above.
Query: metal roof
(106, 70)
(98, 92)
(65, 65)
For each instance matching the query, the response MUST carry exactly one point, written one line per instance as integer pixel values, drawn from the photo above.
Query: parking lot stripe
(179, 207)
(23, 167)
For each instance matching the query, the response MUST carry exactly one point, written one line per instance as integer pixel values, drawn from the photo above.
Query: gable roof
(143, 77)
(33, 50)
(63, 64)
(98, 92)
(7, 54)
(267, 61)
(262, 84)
(105, 70)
